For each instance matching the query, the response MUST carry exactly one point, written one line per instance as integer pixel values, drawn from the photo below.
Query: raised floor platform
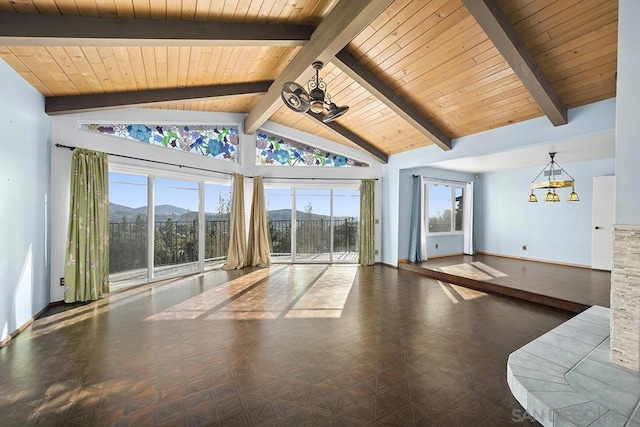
(565, 287)
(565, 378)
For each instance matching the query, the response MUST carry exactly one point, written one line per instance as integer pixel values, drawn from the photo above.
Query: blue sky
(440, 198)
(131, 190)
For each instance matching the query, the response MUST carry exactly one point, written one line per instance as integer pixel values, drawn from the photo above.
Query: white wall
(65, 131)
(560, 232)
(447, 244)
(627, 108)
(587, 120)
(25, 198)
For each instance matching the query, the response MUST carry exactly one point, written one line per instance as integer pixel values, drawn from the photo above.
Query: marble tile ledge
(565, 378)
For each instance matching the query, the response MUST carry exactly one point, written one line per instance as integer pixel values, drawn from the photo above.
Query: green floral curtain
(86, 272)
(367, 241)
(237, 240)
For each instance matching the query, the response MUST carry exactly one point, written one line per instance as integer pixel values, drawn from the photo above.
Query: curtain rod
(441, 179)
(314, 179)
(152, 161)
(201, 169)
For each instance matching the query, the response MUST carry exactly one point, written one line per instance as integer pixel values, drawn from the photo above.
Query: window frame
(152, 173)
(453, 186)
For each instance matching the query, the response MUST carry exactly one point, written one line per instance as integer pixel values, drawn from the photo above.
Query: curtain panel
(367, 222)
(86, 272)
(417, 231)
(258, 248)
(469, 247)
(237, 239)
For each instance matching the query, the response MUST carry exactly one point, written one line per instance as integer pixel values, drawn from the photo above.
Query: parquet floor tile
(299, 345)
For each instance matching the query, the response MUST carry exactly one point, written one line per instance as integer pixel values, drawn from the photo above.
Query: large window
(278, 202)
(444, 207)
(178, 239)
(313, 224)
(217, 208)
(128, 226)
(176, 226)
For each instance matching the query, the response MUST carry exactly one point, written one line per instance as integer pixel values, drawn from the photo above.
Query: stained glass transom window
(218, 142)
(275, 150)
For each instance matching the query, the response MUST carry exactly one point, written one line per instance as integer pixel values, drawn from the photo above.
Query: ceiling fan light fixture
(335, 112)
(317, 100)
(295, 97)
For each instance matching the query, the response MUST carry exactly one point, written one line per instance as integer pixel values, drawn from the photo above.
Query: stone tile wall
(625, 297)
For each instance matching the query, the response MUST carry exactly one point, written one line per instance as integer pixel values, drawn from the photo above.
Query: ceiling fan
(317, 99)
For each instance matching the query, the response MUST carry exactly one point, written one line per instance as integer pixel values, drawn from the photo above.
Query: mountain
(169, 210)
(163, 212)
(285, 215)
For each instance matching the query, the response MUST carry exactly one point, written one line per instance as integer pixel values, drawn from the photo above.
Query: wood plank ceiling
(432, 54)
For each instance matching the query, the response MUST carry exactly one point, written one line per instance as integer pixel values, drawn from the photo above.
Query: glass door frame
(294, 230)
(152, 174)
(297, 184)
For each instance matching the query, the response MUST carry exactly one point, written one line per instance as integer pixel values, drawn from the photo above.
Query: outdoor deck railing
(176, 242)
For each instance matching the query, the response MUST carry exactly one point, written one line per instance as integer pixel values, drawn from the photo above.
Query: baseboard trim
(406, 260)
(544, 261)
(387, 265)
(22, 327)
(443, 255)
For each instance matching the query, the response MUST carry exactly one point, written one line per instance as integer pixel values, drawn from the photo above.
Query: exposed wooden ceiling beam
(345, 21)
(509, 43)
(350, 66)
(55, 30)
(102, 101)
(341, 130)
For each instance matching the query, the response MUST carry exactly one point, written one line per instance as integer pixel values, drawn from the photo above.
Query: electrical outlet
(376, 252)
(62, 281)
(377, 221)
(524, 247)
(436, 246)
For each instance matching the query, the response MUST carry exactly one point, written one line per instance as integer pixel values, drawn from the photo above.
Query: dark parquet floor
(290, 345)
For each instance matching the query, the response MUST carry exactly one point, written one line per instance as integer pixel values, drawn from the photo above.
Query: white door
(603, 219)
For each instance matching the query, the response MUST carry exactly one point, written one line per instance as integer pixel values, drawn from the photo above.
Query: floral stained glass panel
(218, 142)
(276, 150)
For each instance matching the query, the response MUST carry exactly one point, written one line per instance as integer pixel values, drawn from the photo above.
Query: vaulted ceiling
(414, 73)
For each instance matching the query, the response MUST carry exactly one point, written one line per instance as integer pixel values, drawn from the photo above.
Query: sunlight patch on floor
(327, 296)
(459, 293)
(489, 270)
(474, 270)
(447, 291)
(199, 305)
(295, 291)
(466, 293)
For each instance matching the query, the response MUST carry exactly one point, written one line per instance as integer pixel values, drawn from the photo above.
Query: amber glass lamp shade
(548, 197)
(573, 197)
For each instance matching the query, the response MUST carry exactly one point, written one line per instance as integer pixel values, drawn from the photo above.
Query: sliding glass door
(128, 227)
(176, 227)
(217, 208)
(182, 236)
(346, 225)
(313, 224)
(278, 202)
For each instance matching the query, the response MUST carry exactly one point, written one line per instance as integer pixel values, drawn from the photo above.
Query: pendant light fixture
(316, 99)
(551, 182)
